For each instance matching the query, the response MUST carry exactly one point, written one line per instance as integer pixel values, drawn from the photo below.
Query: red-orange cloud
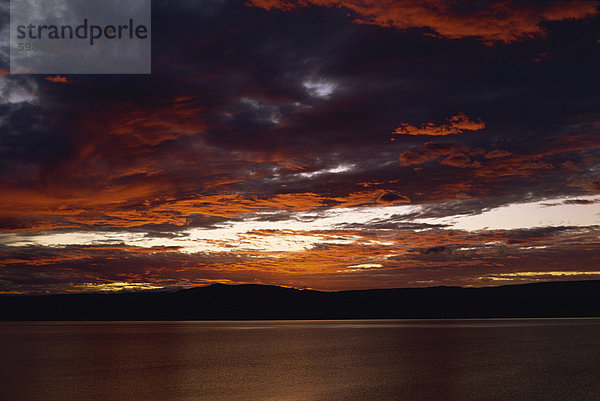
(365, 259)
(429, 151)
(459, 160)
(499, 21)
(497, 154)
(454, 125)
(58, 79)
(37, 210)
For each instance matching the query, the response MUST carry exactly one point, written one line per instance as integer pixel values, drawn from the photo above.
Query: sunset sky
(320, 144)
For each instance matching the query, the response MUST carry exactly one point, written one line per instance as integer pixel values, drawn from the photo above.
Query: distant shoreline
(248, 302)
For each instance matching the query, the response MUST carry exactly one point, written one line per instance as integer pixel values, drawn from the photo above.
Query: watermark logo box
(80, 36)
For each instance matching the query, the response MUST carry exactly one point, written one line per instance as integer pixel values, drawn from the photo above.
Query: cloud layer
(331, 145)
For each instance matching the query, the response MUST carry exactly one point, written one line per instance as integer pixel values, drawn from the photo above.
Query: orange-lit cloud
(230, 167)
(521, 165)
(502, 21)
(459, 160)
(454, 125)
(340, 259)
(58, 79)
(429, 151)
(497, 153)
(138, 126)
(71, 208)
(497, 164)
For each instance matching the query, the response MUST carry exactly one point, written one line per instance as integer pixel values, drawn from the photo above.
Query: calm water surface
(521, 359)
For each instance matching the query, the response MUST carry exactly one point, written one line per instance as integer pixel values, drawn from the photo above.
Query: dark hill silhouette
(249, 301)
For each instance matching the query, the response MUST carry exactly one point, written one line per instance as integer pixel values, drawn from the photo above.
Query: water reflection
(301, 360)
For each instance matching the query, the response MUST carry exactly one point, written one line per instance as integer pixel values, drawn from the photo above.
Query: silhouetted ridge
(252, 301)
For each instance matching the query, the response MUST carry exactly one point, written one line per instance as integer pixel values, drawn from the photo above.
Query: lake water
(491, 359)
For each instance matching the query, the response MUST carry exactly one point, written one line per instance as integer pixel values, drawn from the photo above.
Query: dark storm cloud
(243, 72)
(27, 139)
(392, 197)
(436, 249)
